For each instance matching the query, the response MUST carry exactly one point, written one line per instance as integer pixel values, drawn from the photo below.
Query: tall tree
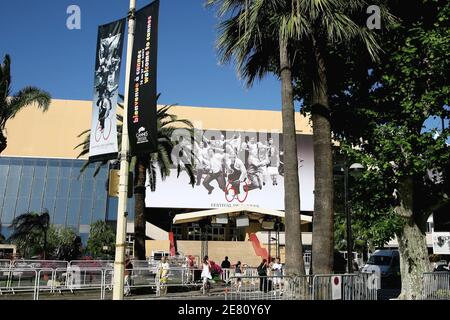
(408, 176)
(30, 230)
(160, 161)
(258, 34)
(10, 104)
(330, 24)
(304, 31)
(2, 237)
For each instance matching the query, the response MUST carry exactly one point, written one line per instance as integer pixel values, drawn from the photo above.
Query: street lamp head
(356, 169)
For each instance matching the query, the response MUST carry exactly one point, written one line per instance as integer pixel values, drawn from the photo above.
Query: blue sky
(48, 55)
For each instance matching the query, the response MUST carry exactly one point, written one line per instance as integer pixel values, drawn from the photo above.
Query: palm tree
(10, 105)
(254, 30)
(30, 227)
(160, 161)
(306, 31)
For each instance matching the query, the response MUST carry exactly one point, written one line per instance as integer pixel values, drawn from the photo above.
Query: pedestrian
(277, 272)
(238, 274)
(225, 264)
(128, 272)
(164, 275)
(262, 273)
(206, 274)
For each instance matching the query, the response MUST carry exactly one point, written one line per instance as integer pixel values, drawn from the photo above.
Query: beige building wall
(54, 134)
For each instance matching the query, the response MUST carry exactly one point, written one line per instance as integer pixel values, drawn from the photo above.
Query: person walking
(164, 275)
(262, 273)
(128, 272)
(238, 274)
(206, 274)
(277, 272)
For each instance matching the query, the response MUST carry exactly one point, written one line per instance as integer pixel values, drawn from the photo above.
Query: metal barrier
(436, 286)
(17, 280)
(92, 263)
(257, 288)
(360, 286)
(39, 264)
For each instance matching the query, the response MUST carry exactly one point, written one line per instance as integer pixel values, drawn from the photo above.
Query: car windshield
(380, 260)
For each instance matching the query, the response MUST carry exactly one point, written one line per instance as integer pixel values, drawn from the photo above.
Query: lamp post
(355, 169)
(119, 262)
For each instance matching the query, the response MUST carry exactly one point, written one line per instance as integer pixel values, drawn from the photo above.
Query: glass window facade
(71, 198)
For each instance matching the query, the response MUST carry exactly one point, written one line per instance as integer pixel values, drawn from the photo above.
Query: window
(73, 212)
(13, 180)
(60, 211)
(194, 233)
(177, 232)
(86, 211)
(9, 207)
(22, 205)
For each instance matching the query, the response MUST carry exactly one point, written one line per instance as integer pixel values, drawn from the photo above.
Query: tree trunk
(294, 250)
(45, 244)
(412, 244)
(139, 213)
(323, 218)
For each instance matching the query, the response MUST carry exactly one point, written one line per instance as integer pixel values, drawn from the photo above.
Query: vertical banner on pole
(103, 140)
(142, 111)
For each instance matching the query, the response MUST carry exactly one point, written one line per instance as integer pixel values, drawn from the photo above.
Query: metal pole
(349, 226)
(119, 263)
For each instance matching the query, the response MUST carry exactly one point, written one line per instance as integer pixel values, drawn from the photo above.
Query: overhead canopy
(251, 212)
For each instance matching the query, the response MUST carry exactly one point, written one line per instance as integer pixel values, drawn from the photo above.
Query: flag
(103, 140)
(142, 112)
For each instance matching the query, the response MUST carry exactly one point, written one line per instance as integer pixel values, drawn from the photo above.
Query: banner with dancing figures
(233, 168)
(142, 114)
(103, 139)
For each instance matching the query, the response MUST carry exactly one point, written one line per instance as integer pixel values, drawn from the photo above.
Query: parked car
(387, 264)
(440, 266)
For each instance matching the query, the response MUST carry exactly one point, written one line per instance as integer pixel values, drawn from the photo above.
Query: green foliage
(29, 233)
(379, 117)
(10, 104)
(167, 123)
(101, 235)
(63, 244)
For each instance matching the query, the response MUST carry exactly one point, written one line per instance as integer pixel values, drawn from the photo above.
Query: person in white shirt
(215, 167)
(237, 173)
(277, 273)
(206, 274)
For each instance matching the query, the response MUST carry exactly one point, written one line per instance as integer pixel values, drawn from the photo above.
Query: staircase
(260, 251)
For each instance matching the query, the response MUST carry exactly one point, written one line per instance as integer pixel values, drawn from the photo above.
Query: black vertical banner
(103, 140)
(142, 96)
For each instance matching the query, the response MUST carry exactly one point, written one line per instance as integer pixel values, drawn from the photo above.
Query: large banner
(232, 168)
(142, 96)
(103, 142)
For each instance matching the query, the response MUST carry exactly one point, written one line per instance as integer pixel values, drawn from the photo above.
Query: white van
(386, 263)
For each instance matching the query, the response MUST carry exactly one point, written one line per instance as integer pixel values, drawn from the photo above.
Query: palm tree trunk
(139, 214)
(323, 219)
(294, 249)
(45, 244)
(3, 142)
